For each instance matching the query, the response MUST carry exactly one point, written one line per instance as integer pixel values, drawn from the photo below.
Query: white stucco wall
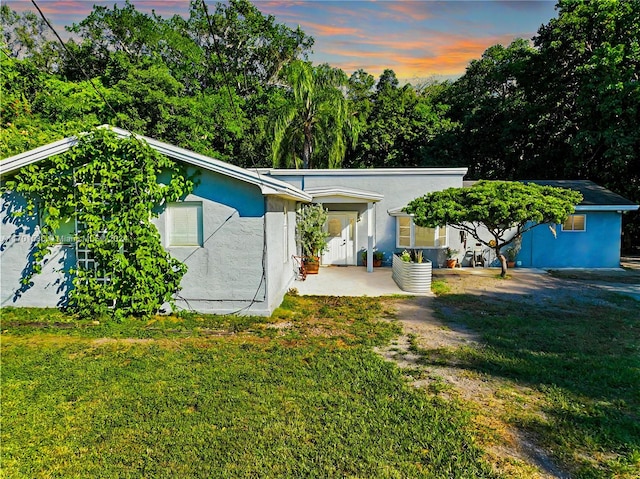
(399, 186)
(19, 237)
(225, 275)
(279, 263)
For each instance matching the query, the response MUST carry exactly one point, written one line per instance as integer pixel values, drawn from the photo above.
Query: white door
(341, 227)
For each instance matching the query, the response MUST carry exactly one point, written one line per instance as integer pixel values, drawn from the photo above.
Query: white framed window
(408, 235)
(576, 223)
(184, 223)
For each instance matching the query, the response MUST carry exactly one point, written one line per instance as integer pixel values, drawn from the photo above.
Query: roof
(397, 211)
(341, 194)
(365, 171)
(595, 197)
(267, 185)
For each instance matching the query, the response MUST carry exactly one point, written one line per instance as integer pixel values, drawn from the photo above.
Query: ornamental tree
(503, 209)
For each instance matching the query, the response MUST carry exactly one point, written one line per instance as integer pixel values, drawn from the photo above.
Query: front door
(341, 227)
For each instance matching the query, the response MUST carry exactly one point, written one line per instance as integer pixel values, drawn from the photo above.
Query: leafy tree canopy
(313, 125)
(503, 209)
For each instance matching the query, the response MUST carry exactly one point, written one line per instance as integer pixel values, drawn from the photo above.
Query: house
(590, 238)
(365, 209)
(236, 230)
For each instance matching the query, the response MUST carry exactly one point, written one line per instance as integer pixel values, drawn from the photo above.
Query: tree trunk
(307, 148)
(503, 263)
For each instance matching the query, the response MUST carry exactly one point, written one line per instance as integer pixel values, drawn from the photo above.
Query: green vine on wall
(110, 188)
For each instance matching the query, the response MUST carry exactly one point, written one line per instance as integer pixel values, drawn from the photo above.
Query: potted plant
(511, 254)
(311, 234)
(412, 273)
(378, 257)
(451, 260)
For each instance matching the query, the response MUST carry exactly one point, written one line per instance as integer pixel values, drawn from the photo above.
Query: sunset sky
(417, 39)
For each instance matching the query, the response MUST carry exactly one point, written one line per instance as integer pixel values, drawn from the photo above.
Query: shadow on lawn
(582, 353)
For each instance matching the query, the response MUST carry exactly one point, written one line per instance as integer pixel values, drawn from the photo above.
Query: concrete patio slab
(350, 281)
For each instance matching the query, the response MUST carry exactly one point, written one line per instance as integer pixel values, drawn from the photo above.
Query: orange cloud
(331, 30)
(407, 10)
(447, 55)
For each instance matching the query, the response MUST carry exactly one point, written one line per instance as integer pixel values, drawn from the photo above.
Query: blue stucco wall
(597, 247)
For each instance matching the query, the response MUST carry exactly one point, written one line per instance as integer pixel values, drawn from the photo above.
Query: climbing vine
(111, 188)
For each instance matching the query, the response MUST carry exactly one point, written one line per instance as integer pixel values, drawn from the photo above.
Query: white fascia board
(14, 163)
(607, 207)
(327, 193)
(268, 186)
(367, 172)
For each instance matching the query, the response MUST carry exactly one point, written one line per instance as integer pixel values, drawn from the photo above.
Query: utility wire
(75, 60)
(263, 279)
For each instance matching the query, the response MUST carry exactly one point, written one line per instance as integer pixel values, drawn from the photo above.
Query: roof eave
(267, 185)
(607, 207)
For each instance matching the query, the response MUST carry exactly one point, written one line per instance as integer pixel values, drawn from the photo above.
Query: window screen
(184, 224)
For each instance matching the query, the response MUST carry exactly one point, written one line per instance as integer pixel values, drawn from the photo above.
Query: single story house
(236, 230)
(590, 238)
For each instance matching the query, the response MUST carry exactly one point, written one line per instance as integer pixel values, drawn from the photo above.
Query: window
(408, 235)
(575, 223)
(184, 224)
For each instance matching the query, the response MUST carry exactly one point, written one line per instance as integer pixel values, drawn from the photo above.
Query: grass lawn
(568, 371)
(300, 394)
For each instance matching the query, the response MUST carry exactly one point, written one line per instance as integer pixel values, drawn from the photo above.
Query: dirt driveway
(512, 451)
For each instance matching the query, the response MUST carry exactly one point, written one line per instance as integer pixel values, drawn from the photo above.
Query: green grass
(300, 394)
(582, 359)
(439, 287)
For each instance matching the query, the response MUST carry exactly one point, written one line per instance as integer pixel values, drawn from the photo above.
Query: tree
(399, 121)
(489, 109)
(26, 35)
(586, 91)
(311, 128)
(504, 209)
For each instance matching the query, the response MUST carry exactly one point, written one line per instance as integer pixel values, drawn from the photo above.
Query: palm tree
(312, 127)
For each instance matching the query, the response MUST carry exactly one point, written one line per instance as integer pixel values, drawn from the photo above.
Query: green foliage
(489, 113)
(312, 127)
(506, 209)
(109, 187)
(310, 220)
(395, 123)
(566, 108)
(405, 256)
